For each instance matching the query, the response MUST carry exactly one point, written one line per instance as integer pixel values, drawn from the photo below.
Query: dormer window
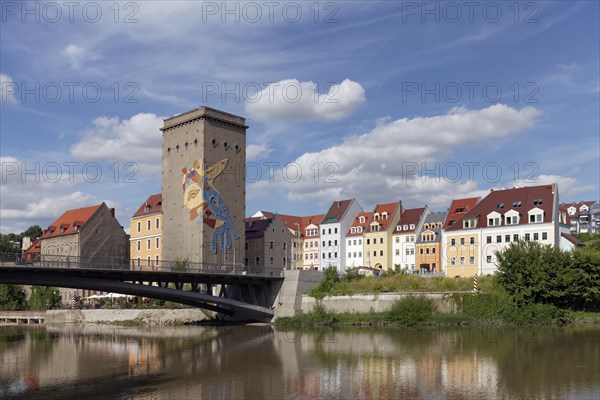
(516, 204)
(361, 220)
(398, 228)
(460, 210)
(538, 202)
(384, 215)
(405, 227)
(148, 208)
(412, 227)
(499, 206)
(376, 216)
(352, 230)
(359, 229)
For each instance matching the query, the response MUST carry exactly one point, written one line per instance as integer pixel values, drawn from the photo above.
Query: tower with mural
(203, 187)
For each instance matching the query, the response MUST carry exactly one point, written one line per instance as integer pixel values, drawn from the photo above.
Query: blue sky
(386, 100)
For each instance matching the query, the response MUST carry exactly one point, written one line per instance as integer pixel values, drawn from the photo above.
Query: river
(262, 362)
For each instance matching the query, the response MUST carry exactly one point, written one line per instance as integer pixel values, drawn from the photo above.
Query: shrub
(411, 310)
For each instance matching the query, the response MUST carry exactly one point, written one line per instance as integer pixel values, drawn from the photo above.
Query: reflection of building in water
(470, 376)
(143, 358)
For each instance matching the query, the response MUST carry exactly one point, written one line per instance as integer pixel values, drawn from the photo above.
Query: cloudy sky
(380, 101)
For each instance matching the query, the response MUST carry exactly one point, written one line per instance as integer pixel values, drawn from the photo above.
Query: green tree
(34, 232)
(43, 297)
(12, 297)
(587, 262)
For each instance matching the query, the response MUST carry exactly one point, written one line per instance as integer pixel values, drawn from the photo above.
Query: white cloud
(293, 100)
(76, 55)
(257, 152)
(377, 166)
(567, 186)
(7, 90)
(137, 139)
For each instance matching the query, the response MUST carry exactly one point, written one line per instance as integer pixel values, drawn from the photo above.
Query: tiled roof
(65, 224)
(357, 223)
(589, 204)
(35, 248)
(336, 211)
(572, 239)
(388, 208)
(458, 209)
(409, 217)
(519, 199)
(151, 206)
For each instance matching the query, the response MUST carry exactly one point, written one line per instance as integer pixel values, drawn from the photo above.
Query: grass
(398, 283)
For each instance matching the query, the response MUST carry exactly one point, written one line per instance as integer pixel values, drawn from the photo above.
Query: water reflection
(258, 362)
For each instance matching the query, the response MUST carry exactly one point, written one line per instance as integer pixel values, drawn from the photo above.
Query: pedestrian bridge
(231, 291)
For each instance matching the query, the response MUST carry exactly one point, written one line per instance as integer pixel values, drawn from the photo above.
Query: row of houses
(460, 241)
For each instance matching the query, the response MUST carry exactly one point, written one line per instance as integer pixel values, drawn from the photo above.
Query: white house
(334, 226)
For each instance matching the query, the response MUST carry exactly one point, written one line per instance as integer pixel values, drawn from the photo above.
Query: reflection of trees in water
(9, 336)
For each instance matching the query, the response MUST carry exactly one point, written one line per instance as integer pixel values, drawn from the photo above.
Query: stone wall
(364, 303)
(149, 317)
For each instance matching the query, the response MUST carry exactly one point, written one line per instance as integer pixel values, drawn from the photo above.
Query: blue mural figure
(202, 200)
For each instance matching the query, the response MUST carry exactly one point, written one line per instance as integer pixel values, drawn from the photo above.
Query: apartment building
(428, 245)
(502, 217)
(145, 234)
(404, 237)
(581, 218)
(377, 240)
(267, 245)
(334, 226)
(354, 240)
(310, 243)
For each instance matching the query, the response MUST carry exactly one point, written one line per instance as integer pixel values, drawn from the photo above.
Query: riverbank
(131, 317)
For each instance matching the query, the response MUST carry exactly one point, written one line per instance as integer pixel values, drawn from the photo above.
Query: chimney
(112, 212)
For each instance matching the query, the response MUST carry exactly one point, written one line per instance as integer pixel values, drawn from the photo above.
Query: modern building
(203, 187)
(377, 240)
(354, 240)
(580, 217)
(428, 247)
(404, 237)
(334, 226)
(267, 246)
(145, 234)
(502, 217)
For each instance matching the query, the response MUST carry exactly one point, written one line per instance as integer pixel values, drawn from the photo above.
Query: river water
(261, 362)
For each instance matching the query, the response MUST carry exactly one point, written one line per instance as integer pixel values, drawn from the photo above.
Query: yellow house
(427, 249)
(146, 234)
(377, 240)
(460, 253)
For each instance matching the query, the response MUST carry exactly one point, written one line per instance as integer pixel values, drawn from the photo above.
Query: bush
(12, 297)
(44, 297)
(411, 310)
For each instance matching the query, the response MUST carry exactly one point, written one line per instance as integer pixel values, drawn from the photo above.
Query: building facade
(428, 245)
(334, 226)
(502, 217)
(267, 246)
(145, 236)
(203, 187)
(405, 235)
(581, 218)
(354, 240)
(311, 242)
(377, 240)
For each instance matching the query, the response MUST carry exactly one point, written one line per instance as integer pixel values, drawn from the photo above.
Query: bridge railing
(64, 261)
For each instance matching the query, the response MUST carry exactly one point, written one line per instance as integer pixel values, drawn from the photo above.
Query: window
(149, 224)
(511, 220)
(515, 237)
(157, 242)
(335, 230)
(306, 256)
(139, 226)
(354, 254)
(527, 236)
(284, 261)
(335, 242)
(516, 204)
(353, 230)
(462, 241)
(381, 240)
(381, 253)
(536, 236)
(538, 202)
(397, 252)
(148, 244)
(329, 231)
(285, 245)
(323, 231)
(139, 245)
(157, 223)
(368, 241)
(488, 259)
(472, 240)
(257, 261)
(271, 260)
(374, 254)
(349, 255)
(360, 242)
(544, 235)
(499, 206)
(323, 255)
(498, 238)
(246, 246)
(349, 242)
(538, 218)
(271, 244)
(453, 261)
(360, 253)
(462, 261)
(323, 243)
(335, 254)
(452, 242)
(397, 239)
(471, 260)
(157, 259)
(488, 239)
(421, 250)
(433, 250)
(355, 242)
(148, 261)
(245, 261)
(427, 250)
(507, 238)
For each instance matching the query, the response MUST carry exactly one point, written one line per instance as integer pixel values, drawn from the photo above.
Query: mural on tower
(204, 201)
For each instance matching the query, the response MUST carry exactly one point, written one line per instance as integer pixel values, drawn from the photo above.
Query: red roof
(519, 199)
(66, 223)
(35, 248)
(458, 209)
(573, 239)
(336, 211)
(589, 204)
(357, 223)
(388, 208)
(409, 217)
(152, 205)
(296, 223)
